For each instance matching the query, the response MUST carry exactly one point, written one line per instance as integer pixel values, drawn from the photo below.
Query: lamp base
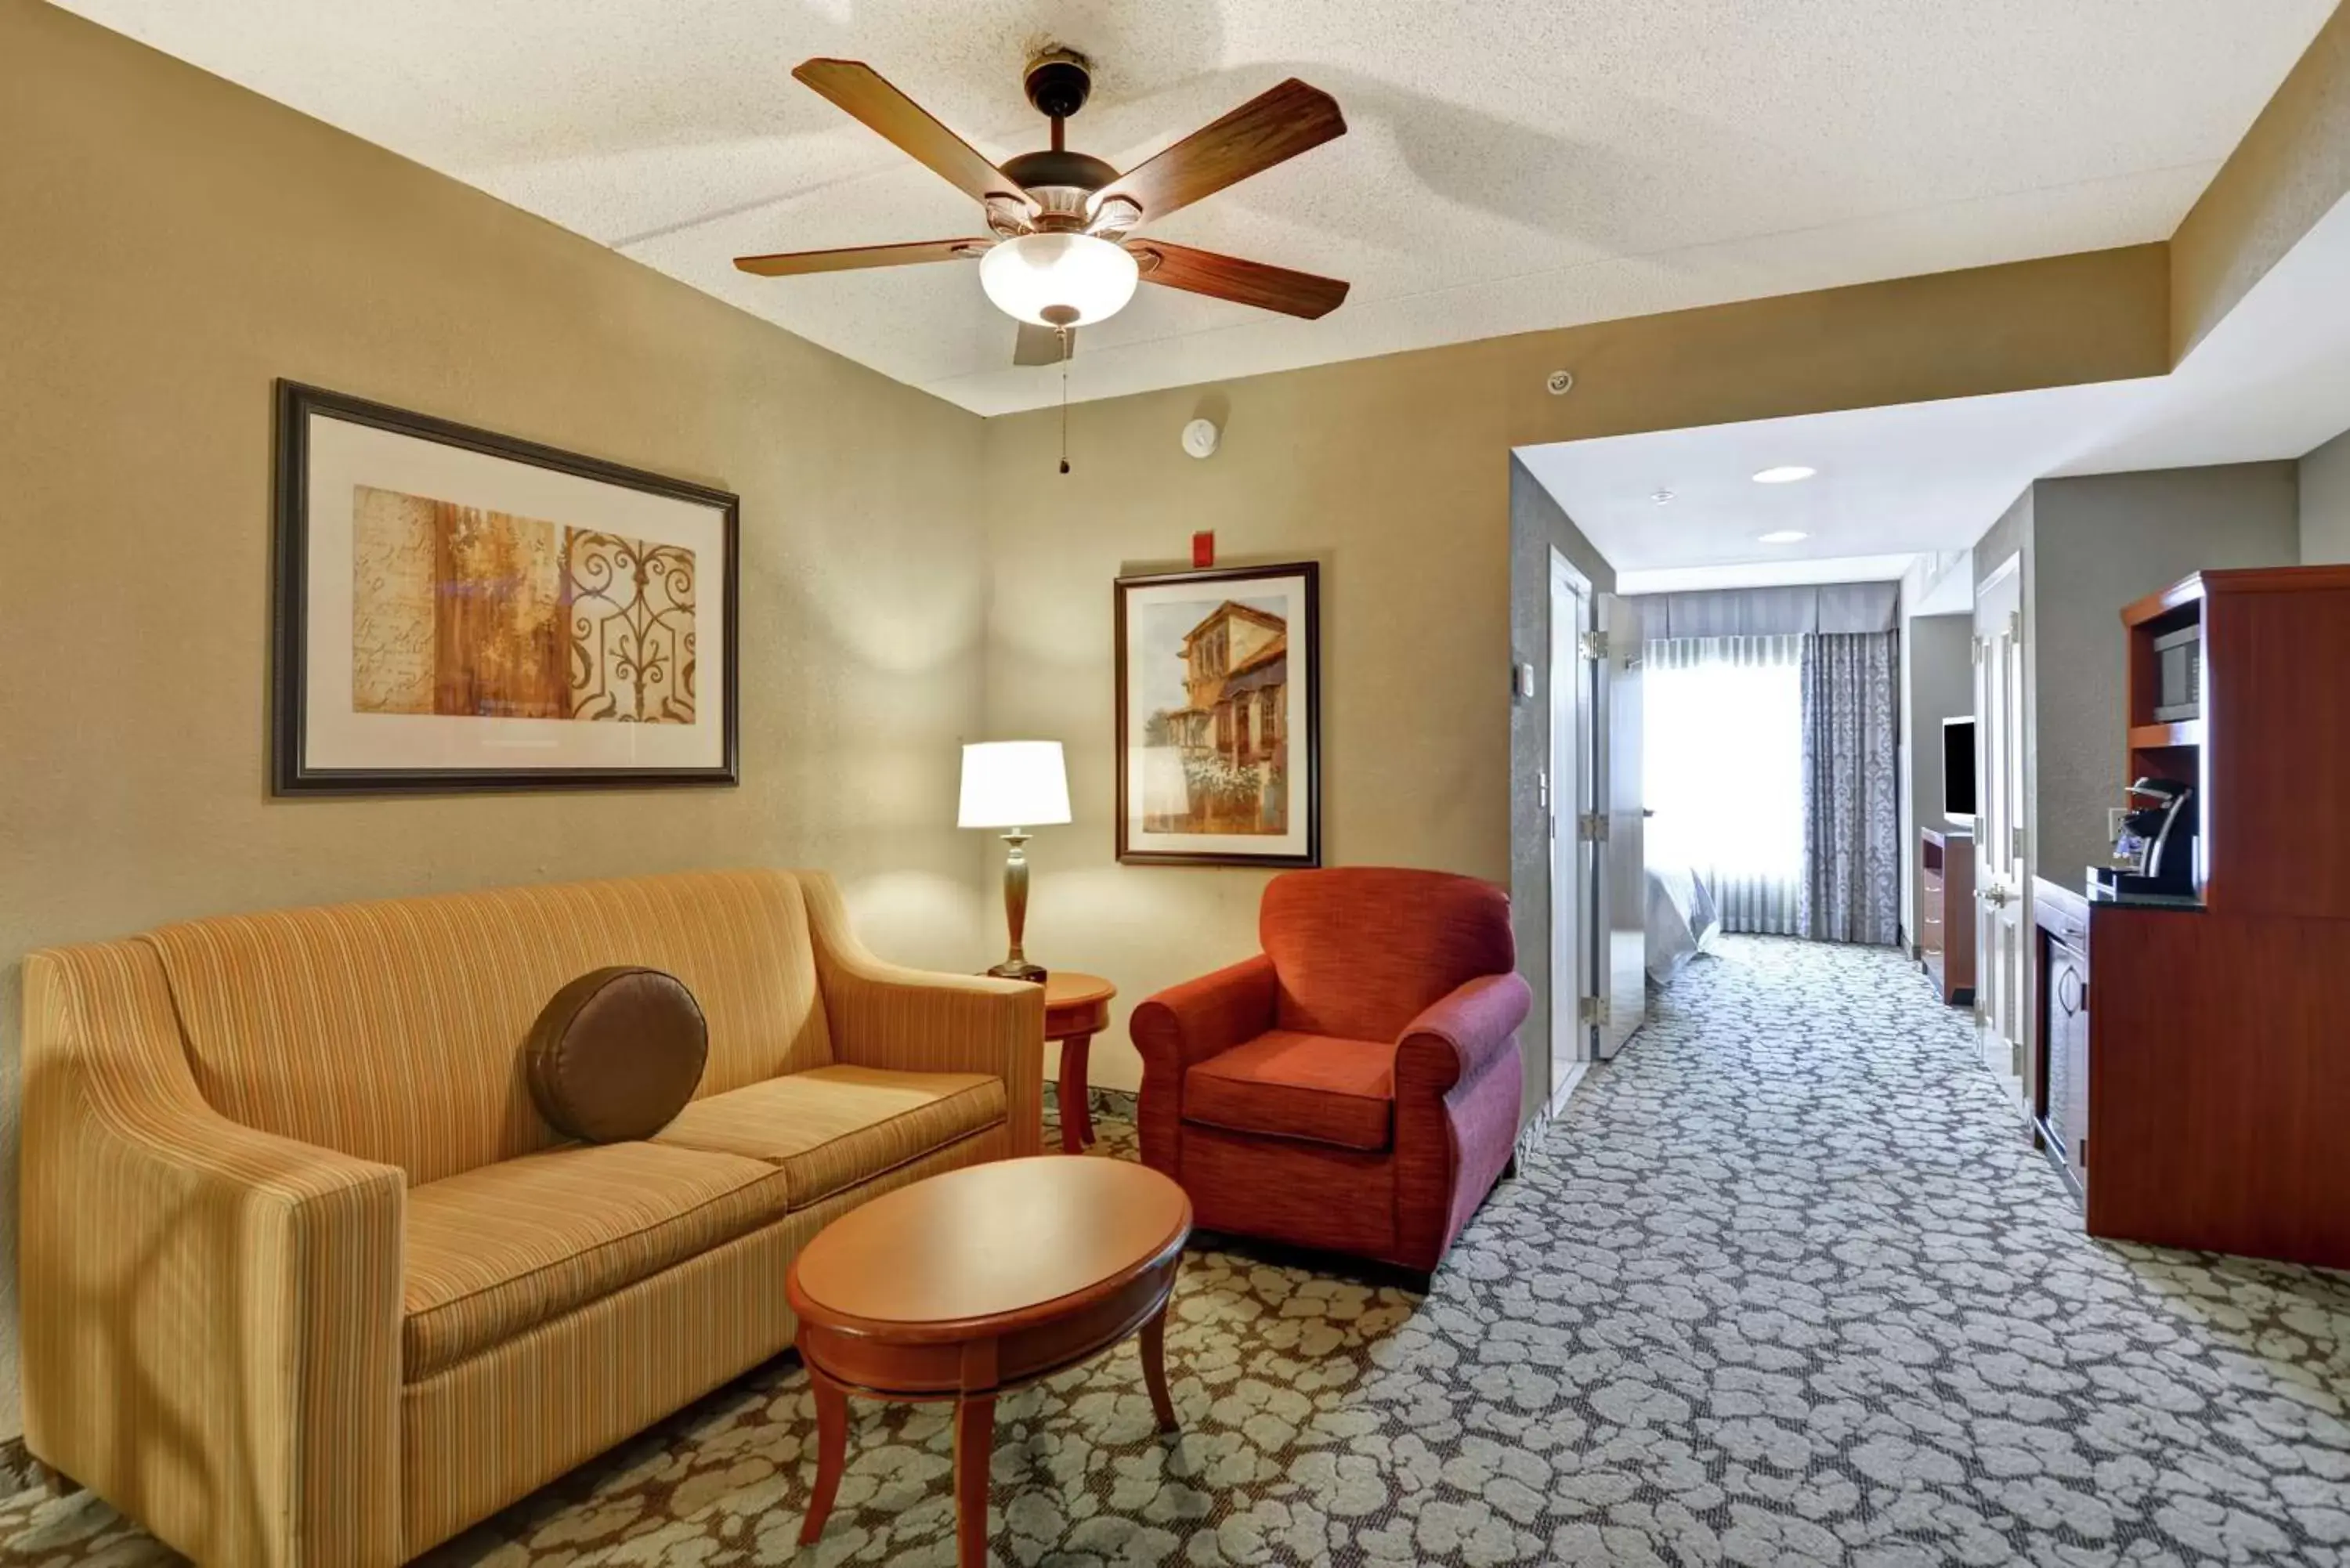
(1019, 969)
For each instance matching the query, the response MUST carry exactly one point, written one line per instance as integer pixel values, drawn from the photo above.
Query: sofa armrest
(1183, 1026)
(210, 1313)
(1454, 1038)
(887, 1015)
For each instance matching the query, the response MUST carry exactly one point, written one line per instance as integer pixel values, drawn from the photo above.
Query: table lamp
(1014, 786)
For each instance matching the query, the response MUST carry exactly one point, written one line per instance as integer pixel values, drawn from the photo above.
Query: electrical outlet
(2116, 821)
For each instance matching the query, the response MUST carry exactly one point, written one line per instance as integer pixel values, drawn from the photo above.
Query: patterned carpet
(1784, 1286)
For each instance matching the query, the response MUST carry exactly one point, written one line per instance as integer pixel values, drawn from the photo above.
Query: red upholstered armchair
(1355, 1087)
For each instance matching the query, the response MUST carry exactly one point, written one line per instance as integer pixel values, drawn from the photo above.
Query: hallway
(1856, 1313)
(1784, 1287)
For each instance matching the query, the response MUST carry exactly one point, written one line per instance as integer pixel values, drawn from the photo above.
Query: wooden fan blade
(1041, 345)
(1270, 129)
(791, 263)
(1242, 282)
(861, 90)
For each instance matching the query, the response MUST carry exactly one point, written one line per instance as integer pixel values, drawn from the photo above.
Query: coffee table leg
(1154, 1368)
(1076, 1106)
(974, 1447)
(831, 1452)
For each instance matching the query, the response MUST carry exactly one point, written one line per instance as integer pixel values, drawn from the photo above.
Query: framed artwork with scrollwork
(461, 611)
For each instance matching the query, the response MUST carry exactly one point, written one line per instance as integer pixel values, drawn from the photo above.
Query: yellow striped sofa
(305, 1278)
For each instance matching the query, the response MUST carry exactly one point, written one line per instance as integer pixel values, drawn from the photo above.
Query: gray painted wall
(1941, 680)
(2325, 503)
(1537, 522)
(2098, 543)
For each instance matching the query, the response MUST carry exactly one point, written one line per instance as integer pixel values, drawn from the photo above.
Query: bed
(1682, 921)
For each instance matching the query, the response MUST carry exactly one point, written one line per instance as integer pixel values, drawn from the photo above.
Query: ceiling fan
(1061, 251)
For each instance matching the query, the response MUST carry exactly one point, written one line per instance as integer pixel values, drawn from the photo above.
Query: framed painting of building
(461, 610)
(1218, 717)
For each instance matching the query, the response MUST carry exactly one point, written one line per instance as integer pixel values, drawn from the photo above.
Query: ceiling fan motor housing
(1059, 81)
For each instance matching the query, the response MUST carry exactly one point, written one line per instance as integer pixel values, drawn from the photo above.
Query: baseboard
(1565, 1092)
(1551, 1109)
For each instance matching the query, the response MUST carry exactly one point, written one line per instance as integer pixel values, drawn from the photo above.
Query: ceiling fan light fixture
(1059, 279)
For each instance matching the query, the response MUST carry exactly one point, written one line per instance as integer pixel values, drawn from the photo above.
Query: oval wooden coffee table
(969, 1284)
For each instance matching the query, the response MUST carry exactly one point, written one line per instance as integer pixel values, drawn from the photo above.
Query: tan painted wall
(2290, 170)
(1394, 472)
(171, 243)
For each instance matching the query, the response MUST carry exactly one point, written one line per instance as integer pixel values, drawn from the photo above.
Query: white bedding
(1682, 922)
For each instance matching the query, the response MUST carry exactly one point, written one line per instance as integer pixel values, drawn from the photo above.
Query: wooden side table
(967, 1286)
(1076, 1008)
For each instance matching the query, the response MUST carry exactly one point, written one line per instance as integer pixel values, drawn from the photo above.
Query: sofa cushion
(1317, 1087)
(496, 1249)
(833, 1128)
(393, 1031)
(616, 1053)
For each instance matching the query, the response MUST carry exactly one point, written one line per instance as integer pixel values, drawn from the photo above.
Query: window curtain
(1723, 769)
(1851, 803)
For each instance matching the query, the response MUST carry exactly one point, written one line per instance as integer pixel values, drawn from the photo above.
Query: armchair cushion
(1363, 950)
(507, 1246)
(1316, 1087)
(833, 1128)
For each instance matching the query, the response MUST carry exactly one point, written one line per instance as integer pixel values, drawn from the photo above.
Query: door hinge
(2015, 627)
(1593, 644)
(1591, 827)
(1978, 651)
(1592, 1009)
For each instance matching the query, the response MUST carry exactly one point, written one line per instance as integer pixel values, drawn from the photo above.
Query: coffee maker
(2155, 851)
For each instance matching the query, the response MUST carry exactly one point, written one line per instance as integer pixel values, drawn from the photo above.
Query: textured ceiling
(1512, 165)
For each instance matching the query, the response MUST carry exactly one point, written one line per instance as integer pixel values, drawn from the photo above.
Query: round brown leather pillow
(616, 1053)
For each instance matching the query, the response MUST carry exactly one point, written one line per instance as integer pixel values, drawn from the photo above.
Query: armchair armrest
(1183, 1026)
(887, 1015)
(1455, 1037)
(1459, 1083)
(212, 1313)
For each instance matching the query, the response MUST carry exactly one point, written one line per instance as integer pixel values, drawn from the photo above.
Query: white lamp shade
(1080, 274)
(1014, 783)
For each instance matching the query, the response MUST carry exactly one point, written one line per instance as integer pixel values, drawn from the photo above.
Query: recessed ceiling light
(1786, 473)
(1660, 496)
(1782, 536)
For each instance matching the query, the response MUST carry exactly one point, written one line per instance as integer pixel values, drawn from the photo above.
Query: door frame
(1567, 797)
(1619, 937)
(2004, 857)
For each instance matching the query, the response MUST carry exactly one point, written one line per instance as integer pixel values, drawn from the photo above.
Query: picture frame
(454, 609)
(1219, 715)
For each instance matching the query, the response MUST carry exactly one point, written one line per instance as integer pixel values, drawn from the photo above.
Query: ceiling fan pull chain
(1065, 397)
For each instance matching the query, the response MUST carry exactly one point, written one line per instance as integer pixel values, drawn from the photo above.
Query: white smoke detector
(1199, 438)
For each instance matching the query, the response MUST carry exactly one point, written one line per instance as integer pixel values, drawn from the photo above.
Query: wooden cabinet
(2218, 1034)
(1946, 913)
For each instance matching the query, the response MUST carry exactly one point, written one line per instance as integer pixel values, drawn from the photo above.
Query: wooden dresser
(2218, 1035)
(1945, 912)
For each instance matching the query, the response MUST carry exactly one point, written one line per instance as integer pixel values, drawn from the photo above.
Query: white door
(1621, 931)
(1570, 799)
(2003, 850)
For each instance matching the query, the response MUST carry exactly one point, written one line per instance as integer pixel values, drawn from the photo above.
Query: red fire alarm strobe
(1203, 548)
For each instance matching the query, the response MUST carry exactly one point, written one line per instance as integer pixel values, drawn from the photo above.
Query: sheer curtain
(1723, 771)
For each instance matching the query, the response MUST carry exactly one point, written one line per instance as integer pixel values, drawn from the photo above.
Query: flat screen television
(1958, 770)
